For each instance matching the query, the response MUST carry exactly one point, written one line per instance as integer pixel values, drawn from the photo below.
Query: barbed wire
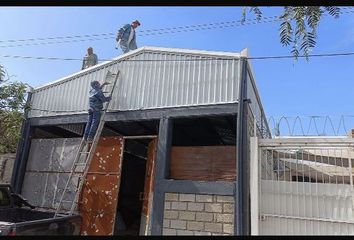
(311, 125)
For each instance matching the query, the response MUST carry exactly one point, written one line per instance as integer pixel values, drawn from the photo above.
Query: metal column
(161, 172)
(22, 150)
(242, 205)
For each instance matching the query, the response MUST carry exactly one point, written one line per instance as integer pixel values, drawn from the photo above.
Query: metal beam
(197, 187)
(242, 216)
(162, 169)
(20, 151)
(22, 161)
(136, 115)
(308, 142)
(60, 132)
(57, 120)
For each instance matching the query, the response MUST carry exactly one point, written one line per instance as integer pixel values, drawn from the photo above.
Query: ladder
(88, 155)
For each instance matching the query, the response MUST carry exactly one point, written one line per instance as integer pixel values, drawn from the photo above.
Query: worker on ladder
(96, 100)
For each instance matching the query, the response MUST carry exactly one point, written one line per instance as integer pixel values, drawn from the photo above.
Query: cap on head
(136, 22)
(95, 84)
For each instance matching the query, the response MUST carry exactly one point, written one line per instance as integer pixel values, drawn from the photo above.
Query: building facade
(173, 155)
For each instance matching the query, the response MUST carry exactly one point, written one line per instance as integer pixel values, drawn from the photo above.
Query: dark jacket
(97, 98)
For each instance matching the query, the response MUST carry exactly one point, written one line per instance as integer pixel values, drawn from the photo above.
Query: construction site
(184, 149)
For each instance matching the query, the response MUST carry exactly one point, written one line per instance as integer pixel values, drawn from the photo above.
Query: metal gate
(302, 186)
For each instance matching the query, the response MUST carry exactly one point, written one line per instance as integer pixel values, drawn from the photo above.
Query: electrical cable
(184, 60)
(149, 32)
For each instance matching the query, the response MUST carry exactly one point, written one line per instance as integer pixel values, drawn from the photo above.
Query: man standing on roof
(96, 100)
(126, 37)
(89, 60)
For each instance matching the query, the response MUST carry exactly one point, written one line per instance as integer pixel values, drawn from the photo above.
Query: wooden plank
(106, 155)
(203, 163)
(149, 176)
(148, 188)
(99, 197)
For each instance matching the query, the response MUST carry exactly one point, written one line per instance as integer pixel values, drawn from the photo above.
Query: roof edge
(134, 52)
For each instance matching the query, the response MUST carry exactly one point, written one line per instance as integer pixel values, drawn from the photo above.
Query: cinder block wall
(198, 214)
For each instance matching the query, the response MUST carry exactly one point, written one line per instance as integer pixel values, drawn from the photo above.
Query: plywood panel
(99, 197)
(203, 163)
(105, 158)
(149, 176)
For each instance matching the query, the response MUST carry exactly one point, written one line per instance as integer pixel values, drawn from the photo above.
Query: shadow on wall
(6, 164)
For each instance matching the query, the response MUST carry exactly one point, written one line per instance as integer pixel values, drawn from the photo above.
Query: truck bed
(17, 215)
(22, 221)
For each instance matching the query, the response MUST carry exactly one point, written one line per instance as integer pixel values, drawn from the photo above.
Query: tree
(2, 74)
(12, 104)
(298, 26)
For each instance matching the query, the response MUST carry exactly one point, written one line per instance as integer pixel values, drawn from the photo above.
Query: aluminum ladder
(88, 153)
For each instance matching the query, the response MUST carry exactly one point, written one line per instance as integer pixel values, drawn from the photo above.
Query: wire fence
(306, 186)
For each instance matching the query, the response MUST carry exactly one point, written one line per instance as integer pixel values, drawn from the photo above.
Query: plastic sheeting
(47, 171)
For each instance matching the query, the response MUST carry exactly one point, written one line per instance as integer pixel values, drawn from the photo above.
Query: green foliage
(12, 104)
(10, 126)
(298, 26)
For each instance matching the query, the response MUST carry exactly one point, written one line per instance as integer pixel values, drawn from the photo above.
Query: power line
(152, 32)
(149, 32)
(183, 60)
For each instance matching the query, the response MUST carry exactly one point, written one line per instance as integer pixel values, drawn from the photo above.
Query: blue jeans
(92, 124)
(127, 47)
(124, 46)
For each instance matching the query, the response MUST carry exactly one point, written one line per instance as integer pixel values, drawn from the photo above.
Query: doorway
(135, 185)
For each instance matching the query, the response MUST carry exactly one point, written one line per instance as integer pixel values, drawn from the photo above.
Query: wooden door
(99, 196)
(148, 187)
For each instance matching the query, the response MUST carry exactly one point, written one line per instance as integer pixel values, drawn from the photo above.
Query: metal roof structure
(151, 77)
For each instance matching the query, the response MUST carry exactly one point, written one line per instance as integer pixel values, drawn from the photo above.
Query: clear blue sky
(322, 86)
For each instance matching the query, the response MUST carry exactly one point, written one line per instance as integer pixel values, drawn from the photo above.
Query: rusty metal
(203, 163)
(99, 197)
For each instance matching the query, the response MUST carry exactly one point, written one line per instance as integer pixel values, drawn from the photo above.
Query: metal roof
(151, 78)
(141, 49)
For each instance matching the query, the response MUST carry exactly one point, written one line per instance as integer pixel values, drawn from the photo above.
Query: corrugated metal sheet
(257, 111)
(293, 212)
(150, 78)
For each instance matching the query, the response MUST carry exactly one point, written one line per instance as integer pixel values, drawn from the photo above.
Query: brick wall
(197, 214)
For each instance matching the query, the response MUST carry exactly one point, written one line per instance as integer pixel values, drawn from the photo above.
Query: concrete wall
(198, 214)
(6, 165)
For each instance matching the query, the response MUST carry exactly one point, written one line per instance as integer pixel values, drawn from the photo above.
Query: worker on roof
(126, 37)
(96, 100)
(90, 59)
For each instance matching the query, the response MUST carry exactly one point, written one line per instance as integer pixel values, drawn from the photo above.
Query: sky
(322, 86)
